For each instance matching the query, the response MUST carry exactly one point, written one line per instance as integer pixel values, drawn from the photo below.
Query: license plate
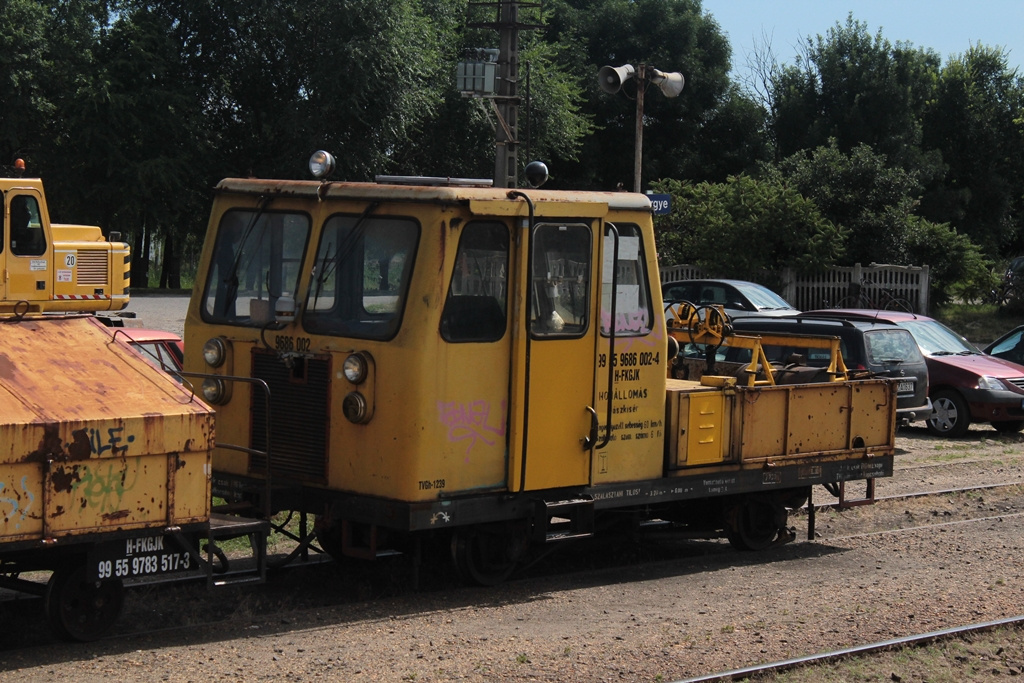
(137, 557)
(905, 386)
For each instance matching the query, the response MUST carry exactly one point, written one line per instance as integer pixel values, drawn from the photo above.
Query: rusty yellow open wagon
(104, 469)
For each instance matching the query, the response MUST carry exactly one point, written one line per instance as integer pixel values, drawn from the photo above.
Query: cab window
(632, 296)
(361, 276)
(476, 307)
(560, 283)
(257, 259)
(26, 227)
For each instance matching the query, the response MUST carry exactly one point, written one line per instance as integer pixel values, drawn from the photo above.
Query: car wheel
(951, 417)
(1009, 427)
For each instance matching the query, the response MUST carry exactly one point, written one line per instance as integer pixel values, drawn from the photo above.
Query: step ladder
(563, 520)
(224, 527)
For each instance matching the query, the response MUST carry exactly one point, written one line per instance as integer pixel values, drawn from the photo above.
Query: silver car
(738, 298)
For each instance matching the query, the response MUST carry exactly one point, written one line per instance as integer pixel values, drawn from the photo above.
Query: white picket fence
(829, 289)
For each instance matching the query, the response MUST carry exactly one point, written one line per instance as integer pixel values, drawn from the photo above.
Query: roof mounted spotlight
(536, 173)
(321, 164)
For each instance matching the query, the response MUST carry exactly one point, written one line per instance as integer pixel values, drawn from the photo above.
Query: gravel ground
(690, 608)
(158, 311)
(670, 609)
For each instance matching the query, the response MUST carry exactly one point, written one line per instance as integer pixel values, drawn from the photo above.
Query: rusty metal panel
(831, 417)
(92, 437)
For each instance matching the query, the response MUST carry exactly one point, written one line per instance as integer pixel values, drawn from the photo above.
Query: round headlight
(355, 368)
(214, 352)
(213, 390)
(321, 164)
(354, 407)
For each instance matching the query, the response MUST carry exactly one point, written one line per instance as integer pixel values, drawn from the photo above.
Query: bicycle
(887, 299)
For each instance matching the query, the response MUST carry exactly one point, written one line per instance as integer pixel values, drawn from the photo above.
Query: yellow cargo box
(776, 424)
(92, 437)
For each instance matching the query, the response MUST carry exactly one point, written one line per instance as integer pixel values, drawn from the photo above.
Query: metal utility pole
(505, 101)
(611, 78)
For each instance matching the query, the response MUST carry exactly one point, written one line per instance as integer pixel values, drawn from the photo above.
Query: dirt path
(684, 608)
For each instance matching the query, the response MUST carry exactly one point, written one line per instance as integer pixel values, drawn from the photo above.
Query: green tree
(874, 205)
(957, 267)
(130, 140)
(745, 226)
(976, 122)
(24, 99)
(856, 89)
(459, 139)
(860, 192)
(682, 135)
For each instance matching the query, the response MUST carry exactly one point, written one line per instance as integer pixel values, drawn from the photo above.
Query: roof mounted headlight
(321, 164)
(356, 368)
(214, 352)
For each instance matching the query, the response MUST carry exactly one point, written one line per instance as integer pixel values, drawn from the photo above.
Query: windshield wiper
(231, 279)
(322, 273)
(343, 250)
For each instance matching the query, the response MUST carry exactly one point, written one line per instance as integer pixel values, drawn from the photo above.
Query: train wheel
(754, 523)
(328, 534)
(79, 609)
(487, 555)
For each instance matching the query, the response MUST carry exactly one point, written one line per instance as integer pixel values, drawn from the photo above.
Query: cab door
(555, 357)
(26, 268)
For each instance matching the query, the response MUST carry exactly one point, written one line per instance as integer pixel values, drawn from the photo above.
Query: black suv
(884, 349)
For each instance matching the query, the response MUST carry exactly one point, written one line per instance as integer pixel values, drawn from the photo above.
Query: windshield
(256, 260)
(934, 338)
(891, 345)
(763, 298)
(362, 272)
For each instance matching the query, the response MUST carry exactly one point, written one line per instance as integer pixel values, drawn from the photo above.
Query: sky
(949, 27)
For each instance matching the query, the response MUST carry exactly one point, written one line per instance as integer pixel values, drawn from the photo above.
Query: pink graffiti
(630, 321)
(471, 421)
(627, 323)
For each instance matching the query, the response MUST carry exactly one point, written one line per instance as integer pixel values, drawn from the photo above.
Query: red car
(965, 384)
(163, 350)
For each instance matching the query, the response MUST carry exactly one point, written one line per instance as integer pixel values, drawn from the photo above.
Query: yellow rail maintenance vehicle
(421, 356)
(105, 466)
(52, 266)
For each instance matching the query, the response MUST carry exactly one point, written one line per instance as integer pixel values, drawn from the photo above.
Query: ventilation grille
(300, 406)
(92, 267)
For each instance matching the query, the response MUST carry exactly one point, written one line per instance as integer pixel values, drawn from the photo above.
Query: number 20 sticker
(69, 260)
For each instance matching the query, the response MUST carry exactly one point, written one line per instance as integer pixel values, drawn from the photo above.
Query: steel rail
(835, 655)
(943, 492)
(921, 494)
(959, 522)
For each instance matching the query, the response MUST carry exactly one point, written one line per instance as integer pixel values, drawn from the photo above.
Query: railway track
(858, 650)
(281, 612)
(665, 546)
